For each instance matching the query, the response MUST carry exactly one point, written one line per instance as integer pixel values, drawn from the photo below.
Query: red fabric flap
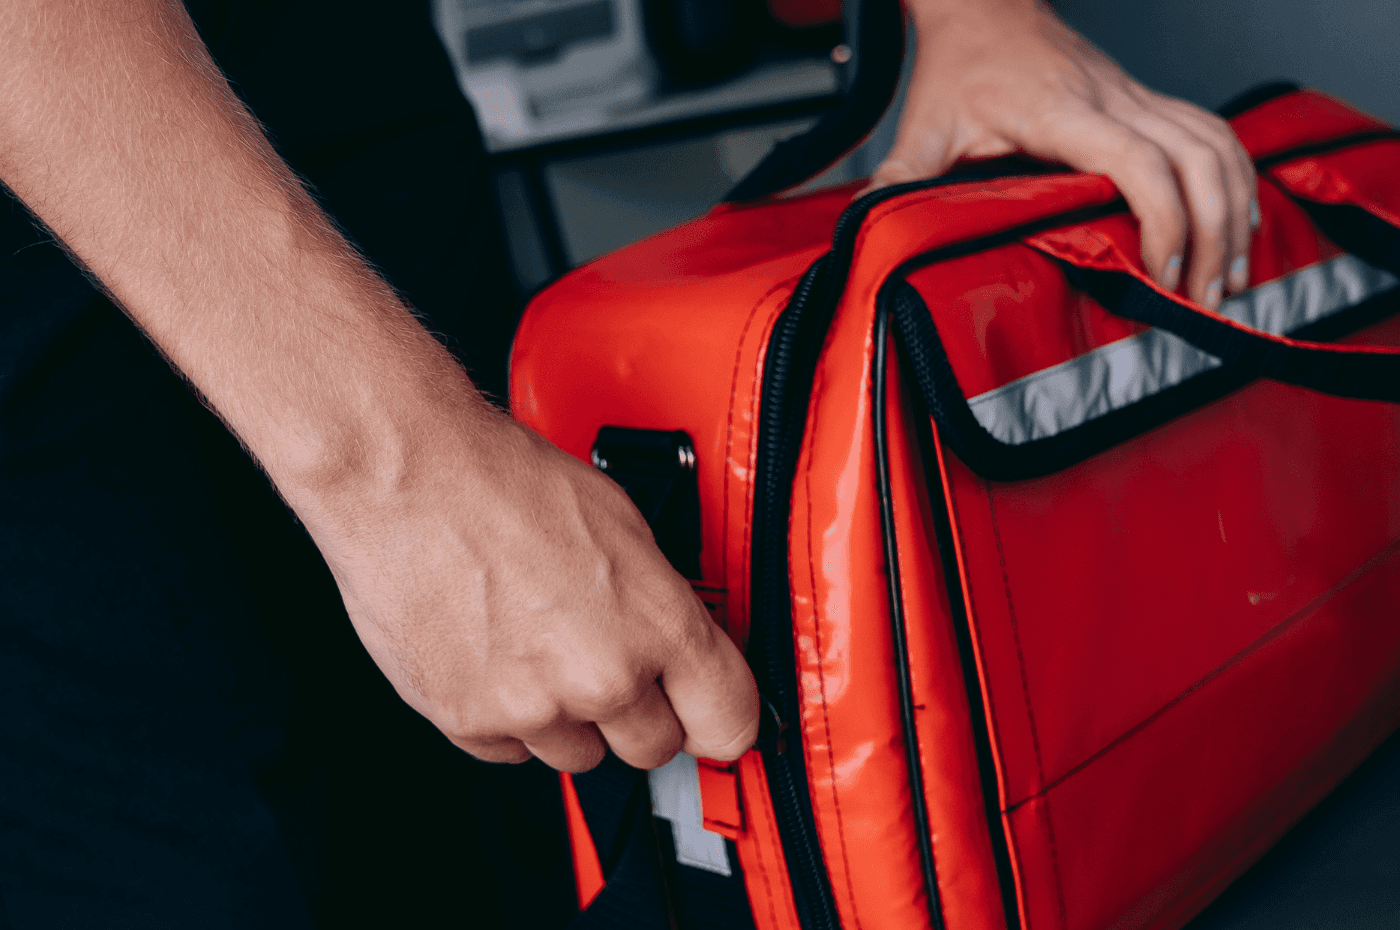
(1299, 119)
(719, 798)
(1090, 247)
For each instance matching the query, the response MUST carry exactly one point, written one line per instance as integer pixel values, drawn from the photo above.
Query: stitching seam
(821, 671)
(1030, 713)
(1267, 637)
(761, 853)
(753, 440)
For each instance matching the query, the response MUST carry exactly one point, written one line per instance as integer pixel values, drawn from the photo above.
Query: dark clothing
(190, 734)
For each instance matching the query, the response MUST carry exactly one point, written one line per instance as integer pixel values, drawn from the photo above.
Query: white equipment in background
(537, 68)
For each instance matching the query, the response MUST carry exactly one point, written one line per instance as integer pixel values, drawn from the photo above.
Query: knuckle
(690, 631)
(604, 695)
(1165, 222)
(1147, 155)
(499, 752)
(528, 716)
(656, 756)
(1223, 131)
(586, 757)
(1210, 221)
(1202, 160)
(464, 729)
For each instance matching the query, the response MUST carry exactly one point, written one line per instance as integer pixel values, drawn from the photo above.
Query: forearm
(511, 593)
(118, 131)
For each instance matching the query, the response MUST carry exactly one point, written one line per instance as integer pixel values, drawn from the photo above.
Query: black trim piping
(789, 360)
(903, 678)
(940, 508)
(991, 458)
(1255, 96)
(1266, 162)
(1360, 375)
(1350, 227)
(923, 353)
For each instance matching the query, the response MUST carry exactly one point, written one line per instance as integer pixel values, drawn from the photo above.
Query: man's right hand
(516, 599)
(511, 593)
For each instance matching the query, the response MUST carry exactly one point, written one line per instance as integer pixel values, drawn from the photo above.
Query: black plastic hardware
(657, 470)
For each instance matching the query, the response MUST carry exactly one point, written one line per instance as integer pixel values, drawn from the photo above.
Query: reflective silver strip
(1123, 372)
(675, 796)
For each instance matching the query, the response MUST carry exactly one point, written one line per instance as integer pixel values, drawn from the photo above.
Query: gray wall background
(1208, 50)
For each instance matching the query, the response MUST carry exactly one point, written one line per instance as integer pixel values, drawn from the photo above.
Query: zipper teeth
(781, 422)
(811, 871)
(822, 283)
(807, 873)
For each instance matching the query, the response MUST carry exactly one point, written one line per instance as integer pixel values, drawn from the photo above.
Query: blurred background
(613, 119)
(610, 120)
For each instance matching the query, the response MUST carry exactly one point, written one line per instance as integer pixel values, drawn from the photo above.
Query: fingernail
(1171, 275)
(1239, 273)
(1212, 300)
(1254, 217)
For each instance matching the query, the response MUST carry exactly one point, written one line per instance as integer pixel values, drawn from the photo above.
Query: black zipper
(788, 369)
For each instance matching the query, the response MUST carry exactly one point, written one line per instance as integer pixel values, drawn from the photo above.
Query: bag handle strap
(875, 37)
(1366, 372)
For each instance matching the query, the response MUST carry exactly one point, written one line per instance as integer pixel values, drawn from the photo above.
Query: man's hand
(512, 594)
(994, 77)
(515, 598)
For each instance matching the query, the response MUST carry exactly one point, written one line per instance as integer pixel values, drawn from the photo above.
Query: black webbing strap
(645, 888)
(875, 37)
(617, 806)
(1364, 375)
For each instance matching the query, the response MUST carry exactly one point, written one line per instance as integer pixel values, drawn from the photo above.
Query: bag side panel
(761, 852)
(1106, 595)
(852, 733)
(1305, 708)
(670, 334)
(851, 728)
(969, 890)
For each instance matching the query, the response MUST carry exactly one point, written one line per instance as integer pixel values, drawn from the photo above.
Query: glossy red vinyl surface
(852, 733)
(1106, 593)
(588, 871)
(1348, 176)
(969, 894)
(1298, 119)
(670, 334)
(1147, 624)
(851, 729)
(997, 330)
(1136, 647)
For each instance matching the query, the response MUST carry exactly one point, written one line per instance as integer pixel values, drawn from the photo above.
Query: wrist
(385, 436)
(935, 14)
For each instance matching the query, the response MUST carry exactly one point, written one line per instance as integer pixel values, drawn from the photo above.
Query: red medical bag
(1066, 597)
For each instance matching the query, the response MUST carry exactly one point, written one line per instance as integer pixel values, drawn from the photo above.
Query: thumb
(916, 156)
(713, 693)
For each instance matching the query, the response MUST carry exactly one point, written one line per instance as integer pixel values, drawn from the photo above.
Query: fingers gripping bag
(1066, 597)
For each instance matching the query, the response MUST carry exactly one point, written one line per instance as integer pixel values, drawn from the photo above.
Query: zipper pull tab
(771, 729)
